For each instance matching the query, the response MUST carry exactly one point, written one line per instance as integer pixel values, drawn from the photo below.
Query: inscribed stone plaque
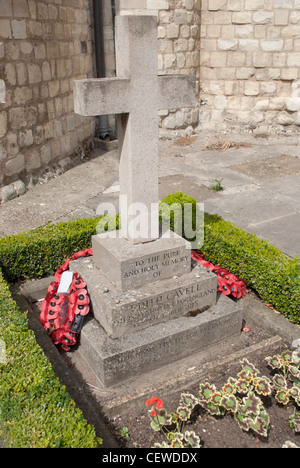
(121, 313)
(132, 266)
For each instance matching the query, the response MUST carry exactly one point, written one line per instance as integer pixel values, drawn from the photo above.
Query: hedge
(264, 268)
(34, 406)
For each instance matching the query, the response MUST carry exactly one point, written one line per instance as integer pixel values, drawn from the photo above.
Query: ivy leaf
(192, 439)
(282, 397)
(230, 403)
(249, 367)
(245, 375)
(260, 424)
(241, 386)
(251, 404)
(206, 390)
(294, 392)
(274, 362)
(155, 426)
(187, 399)
(176, 443)
(229, 386)
(279, 381)
(243, 421)
(216, 398)
(294, 372)
(175, 435)
(287, 356)
(213, 409)
(263, 386)
(184, 413)
(159, 418)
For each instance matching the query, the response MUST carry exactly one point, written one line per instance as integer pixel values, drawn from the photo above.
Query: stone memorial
(151, 305)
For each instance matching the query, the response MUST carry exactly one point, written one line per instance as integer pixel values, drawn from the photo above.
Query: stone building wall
(244, 53)
(44, 45)
(250, 65)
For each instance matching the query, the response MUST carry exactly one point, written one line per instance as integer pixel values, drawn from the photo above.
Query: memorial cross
(136, 95)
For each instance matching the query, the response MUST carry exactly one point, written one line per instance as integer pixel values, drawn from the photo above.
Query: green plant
(286, 382)
(183, 215)
(217, 185)
(264, 268)
(240, 397)
(171, 424)
(125, 432)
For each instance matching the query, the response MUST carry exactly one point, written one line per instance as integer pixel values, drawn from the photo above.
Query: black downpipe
(100, 61)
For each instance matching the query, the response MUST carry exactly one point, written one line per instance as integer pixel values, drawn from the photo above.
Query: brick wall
(44, 45)
(250, 64)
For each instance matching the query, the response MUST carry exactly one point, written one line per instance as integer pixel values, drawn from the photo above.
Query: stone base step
(115, 360)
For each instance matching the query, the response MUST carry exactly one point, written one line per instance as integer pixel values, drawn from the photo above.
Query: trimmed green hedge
(41, 251)
(35, 409)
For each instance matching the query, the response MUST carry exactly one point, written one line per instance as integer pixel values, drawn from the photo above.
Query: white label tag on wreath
(65, 282)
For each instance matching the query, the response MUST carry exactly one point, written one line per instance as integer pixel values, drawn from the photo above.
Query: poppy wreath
(228, 283)
(62, 315)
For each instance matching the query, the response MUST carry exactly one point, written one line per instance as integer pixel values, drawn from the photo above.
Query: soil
(214, 432)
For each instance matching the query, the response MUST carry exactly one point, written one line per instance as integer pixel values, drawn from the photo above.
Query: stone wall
(178, 50)
(246, 59)
(250, 65)
(44, 45)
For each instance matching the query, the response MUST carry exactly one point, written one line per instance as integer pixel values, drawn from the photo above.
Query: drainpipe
(100, 61)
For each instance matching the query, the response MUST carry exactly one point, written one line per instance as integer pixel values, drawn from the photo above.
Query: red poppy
(223, 286)
(197, 256)
(82, 297)
(61, 269)
(84, 253)
(81, 309)
(78, 283)
(156, 402)
(228, 283)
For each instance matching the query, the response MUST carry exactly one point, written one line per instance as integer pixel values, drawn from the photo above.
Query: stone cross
(136, 95)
